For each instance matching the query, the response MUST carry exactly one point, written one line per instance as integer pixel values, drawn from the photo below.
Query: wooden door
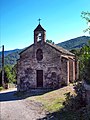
(39, 78)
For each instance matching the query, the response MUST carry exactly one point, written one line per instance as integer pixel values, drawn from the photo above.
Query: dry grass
(53, 101)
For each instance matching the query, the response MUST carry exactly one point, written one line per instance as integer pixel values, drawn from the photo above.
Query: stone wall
(54, 70)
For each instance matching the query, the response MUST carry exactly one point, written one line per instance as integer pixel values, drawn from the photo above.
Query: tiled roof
(60, 49)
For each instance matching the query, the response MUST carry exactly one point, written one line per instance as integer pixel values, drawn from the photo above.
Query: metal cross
(39, 20)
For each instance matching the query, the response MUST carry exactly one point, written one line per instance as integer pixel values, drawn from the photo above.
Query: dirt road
(14, 108)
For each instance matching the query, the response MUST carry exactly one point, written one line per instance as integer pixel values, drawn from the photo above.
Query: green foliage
(8, 69)
(84, 58)
(11, 58)
(74, 103)
(83, 55)
(76, 52)
(86, 16)
(49, 41)
(86, 71)
(1, 88)
(9, 74)
(75, 107)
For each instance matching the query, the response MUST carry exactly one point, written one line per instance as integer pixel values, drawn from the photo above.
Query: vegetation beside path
(64, 104)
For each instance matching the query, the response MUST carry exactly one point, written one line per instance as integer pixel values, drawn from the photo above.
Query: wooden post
(3, 84)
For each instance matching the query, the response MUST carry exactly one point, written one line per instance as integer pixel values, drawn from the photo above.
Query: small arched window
(39, 55)
(39, 36)
(54, 75)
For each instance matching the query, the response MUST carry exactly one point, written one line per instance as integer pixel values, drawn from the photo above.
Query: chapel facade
(45, 65)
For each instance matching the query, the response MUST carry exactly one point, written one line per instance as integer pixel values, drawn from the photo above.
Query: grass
(1, 88)
(53, 104)
(53, 101)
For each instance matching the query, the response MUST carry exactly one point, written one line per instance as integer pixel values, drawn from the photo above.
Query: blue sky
(60, 18)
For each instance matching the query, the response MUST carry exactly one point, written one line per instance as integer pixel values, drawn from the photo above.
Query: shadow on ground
(8, 96)
(14, 95)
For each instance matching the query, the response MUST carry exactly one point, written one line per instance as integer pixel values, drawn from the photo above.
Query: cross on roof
(39, 20)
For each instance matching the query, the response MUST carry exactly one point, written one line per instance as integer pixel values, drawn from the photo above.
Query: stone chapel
(45, 65)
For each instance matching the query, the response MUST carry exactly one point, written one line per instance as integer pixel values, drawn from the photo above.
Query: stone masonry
(44, 65)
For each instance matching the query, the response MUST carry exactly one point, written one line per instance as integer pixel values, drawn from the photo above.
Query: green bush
(9, 74)
(1, 88)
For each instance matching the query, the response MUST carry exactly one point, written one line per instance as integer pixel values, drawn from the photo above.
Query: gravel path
(13, 108)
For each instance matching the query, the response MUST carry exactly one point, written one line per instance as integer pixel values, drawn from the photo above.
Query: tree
(9, 75)
(84, 58)
(49, 41)
(86, 16)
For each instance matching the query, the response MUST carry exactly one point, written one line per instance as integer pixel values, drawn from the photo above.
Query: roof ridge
(61, 49)
(39, 27)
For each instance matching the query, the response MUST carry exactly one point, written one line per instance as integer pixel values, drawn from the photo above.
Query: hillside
(10, 57)
(76, 43)
(9, 52)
